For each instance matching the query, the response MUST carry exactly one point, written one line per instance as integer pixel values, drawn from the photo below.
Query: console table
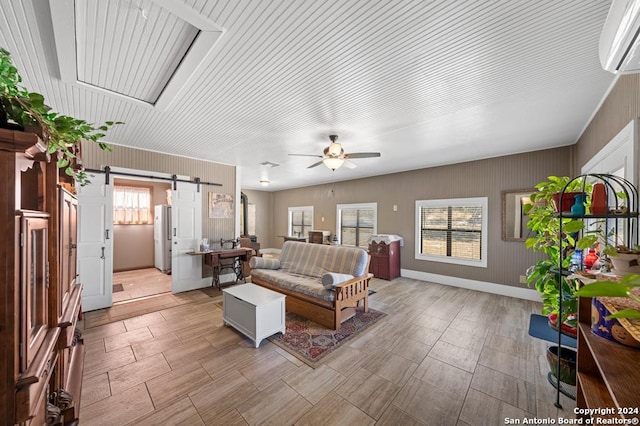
(240, 256)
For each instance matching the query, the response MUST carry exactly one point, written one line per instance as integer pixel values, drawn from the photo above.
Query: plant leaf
(626, 313)
(604, 289)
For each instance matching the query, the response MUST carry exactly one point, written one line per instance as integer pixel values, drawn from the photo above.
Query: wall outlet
(523, 279)
(395, 207)
(322, 218)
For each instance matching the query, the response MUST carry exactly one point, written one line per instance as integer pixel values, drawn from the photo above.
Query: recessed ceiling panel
(131, 47)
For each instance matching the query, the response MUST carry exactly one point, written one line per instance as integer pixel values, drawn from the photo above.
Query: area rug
(311, 342)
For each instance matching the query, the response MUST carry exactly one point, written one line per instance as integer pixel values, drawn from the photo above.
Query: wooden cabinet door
(34, 285)
(68, 244)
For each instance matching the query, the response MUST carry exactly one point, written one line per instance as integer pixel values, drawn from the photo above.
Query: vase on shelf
(577, 209)
(599, 199)
(564, 201)
(590, 259)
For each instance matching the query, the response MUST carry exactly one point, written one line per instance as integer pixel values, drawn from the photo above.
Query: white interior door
(186, 219)
(619, 156)
(95, 244)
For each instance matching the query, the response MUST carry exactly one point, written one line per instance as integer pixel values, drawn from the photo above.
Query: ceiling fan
(334, 156)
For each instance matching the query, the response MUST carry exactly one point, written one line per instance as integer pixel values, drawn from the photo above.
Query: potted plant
(559, 192)
(21, 109)
(546, 238)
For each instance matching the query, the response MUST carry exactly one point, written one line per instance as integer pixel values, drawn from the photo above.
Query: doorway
(135, 274)
(95, 234)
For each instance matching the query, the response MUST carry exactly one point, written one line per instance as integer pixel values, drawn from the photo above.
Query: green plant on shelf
(62, 134)
(545, 224)
(597, 234)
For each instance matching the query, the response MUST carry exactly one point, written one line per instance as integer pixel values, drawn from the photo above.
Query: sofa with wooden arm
(322, 283)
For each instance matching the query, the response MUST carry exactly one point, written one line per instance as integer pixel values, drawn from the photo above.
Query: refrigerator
(162, 237)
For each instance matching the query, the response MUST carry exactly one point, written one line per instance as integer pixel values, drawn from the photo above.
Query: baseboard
(501, 289)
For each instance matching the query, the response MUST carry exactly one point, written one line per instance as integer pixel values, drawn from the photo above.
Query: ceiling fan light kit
(334, 156)
(333, 162)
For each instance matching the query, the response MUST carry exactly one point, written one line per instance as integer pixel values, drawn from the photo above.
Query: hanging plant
(20, 108)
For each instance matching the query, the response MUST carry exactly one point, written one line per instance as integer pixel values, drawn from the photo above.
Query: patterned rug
(310, 342)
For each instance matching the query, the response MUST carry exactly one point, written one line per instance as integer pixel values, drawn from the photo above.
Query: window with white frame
(300, 221)
(452, 231)
(131, 205)
(356, 223)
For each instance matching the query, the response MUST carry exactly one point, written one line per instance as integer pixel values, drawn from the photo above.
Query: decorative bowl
(567, 329)
(626, 263)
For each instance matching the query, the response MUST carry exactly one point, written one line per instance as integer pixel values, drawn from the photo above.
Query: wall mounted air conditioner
(620, 40)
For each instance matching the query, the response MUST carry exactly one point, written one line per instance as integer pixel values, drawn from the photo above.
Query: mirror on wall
(247, 216)
(514, 221)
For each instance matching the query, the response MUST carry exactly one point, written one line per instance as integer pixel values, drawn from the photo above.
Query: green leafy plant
(558, 246)
(546, 238)
(61, 133)
(624, 288)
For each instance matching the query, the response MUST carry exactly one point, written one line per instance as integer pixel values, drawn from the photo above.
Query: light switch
(395, 207)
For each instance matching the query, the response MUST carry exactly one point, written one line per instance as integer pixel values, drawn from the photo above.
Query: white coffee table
(255, 311)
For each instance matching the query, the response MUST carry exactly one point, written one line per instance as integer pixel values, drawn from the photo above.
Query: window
(300, 221)
(131, 205)
(452, 231)
(356, 223)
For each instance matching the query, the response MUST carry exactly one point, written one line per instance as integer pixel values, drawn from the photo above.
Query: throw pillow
(332, 279)
(264, 263)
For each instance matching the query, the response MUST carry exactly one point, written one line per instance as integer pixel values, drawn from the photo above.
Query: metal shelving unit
(620, 222)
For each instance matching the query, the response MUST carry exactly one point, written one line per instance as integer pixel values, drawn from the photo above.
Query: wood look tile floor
(441, 356)
(140, 283)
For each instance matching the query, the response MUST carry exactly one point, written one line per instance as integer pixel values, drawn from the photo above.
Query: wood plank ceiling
(425, 83)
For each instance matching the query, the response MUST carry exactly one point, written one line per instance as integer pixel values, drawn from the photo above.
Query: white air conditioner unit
(619, 41)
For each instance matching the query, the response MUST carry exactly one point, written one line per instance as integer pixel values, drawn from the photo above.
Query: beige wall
(214, 229)
(620, 107)
(506, 260)
(132, 247)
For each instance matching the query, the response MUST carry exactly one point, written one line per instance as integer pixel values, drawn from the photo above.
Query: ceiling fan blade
(349, 164)
(362, 155)
(306, 155)
(315, 164)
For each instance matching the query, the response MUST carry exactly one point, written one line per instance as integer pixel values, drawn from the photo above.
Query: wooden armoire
(41, 351)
